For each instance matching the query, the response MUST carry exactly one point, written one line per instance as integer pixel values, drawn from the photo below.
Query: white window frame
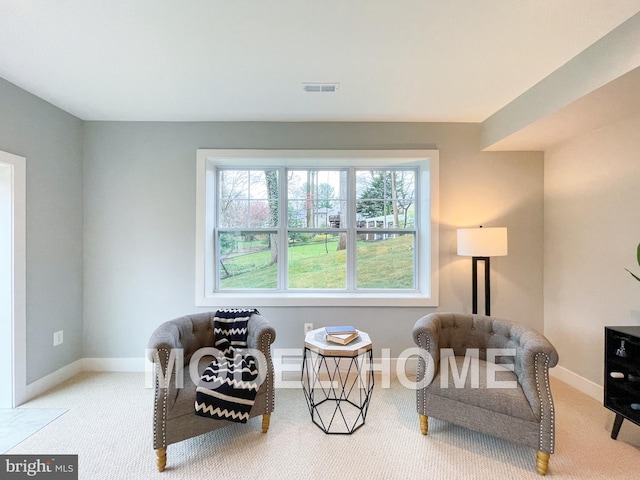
(426, 294)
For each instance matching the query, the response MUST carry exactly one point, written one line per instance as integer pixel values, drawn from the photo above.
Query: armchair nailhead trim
(265, 341)
(423, 341)
(164, 394)
(545, 371)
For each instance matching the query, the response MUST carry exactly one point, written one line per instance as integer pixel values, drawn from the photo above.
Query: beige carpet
(108, 424)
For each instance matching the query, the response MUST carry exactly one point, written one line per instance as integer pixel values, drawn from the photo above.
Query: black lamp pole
(487, 287)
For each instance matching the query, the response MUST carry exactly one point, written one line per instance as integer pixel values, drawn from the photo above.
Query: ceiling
(247, 60)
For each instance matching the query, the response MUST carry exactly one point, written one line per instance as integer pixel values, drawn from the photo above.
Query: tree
(326, 193)
(394, 199)
(387, 193)
(406, 194)
(271, 177)
(234, 186)
(311, 197)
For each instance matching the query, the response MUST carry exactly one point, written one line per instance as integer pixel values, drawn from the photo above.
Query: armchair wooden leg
(424, 424)
(161, 458)
(542, 462)
(266, 420)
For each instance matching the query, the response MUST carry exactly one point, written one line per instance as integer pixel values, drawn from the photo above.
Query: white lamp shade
(482, 242)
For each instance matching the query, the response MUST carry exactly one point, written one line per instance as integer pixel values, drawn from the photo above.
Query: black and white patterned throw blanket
(228, 386)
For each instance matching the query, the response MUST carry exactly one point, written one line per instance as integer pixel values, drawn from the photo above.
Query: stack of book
(341, 334)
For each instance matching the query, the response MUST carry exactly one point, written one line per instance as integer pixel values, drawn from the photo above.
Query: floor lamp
(481, 244)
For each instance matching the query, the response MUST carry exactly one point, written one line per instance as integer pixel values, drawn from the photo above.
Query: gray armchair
(518, 408)
(174, 419)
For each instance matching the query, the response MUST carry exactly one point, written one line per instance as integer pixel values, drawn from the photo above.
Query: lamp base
(487, 285)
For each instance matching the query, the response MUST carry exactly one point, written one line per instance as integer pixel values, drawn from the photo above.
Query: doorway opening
(12, 280)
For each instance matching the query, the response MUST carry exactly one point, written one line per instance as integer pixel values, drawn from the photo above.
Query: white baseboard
(43, 384)
(578, 382)
(47, 382)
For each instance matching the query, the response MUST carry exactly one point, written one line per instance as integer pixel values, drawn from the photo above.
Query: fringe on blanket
(227, 388)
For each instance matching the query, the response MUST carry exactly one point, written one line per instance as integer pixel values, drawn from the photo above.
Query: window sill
(305, 299)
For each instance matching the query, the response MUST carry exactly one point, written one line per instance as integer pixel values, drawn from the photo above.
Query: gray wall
(111, 224)
(51, 141)
(139, 183)
(592, 203)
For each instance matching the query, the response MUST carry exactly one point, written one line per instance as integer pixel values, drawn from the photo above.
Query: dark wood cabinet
(622, 374)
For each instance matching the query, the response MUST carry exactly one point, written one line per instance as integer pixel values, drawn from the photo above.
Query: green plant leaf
(638, 254)
(632, 274)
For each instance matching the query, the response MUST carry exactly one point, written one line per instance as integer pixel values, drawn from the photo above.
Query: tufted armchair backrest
(189, 332)
(195, 332)
(463, 331)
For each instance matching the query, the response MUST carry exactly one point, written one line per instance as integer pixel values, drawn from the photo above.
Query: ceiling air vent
(321, 87)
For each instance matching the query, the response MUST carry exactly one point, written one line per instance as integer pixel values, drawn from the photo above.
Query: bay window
(328, 228)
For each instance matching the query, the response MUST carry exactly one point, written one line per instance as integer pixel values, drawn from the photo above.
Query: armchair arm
(425, 335)
(534, 343)
(261, 333)
(537, 356)
(165, 338)
(260, 336)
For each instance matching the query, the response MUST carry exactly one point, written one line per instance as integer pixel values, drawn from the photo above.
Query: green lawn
(320, 265)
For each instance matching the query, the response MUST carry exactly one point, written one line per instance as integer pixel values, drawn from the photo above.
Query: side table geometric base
(338, 388)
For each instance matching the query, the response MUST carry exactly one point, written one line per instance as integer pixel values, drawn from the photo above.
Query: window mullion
(351, 229)
(283, 229)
